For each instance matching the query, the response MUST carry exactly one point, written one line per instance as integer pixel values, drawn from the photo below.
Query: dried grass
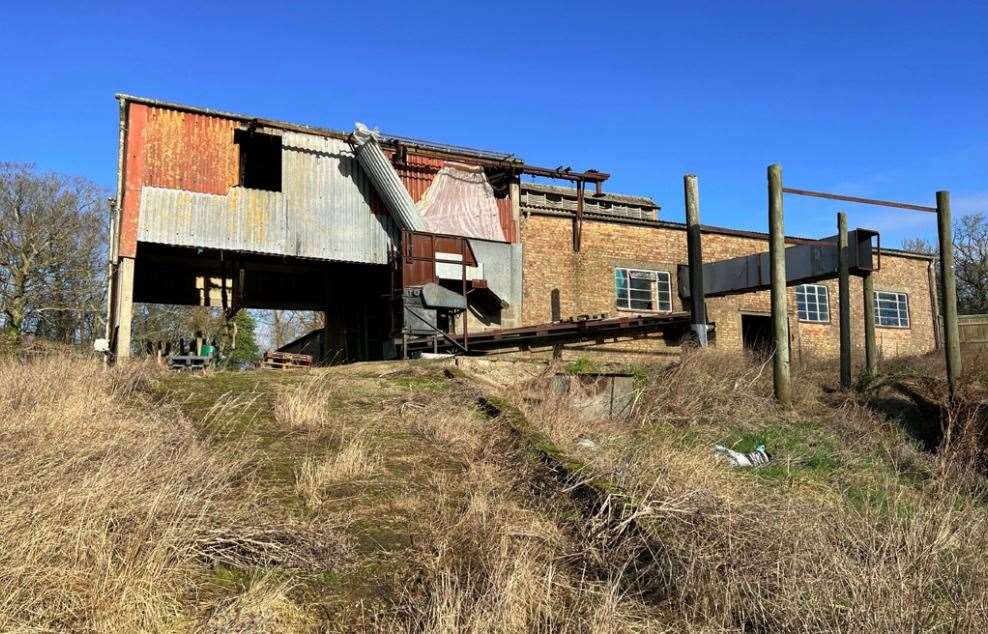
(265, 606)
(354, 461)
(857, 546)
(102, 500)
(302, 406)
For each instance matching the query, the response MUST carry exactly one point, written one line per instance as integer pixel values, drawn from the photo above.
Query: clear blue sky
(886, 100)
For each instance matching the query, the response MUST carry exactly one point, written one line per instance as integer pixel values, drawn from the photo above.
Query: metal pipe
(385, 179)
(871, 349)
(780, 314)
(844, 301)
(691, 192)
(857, 199)
(948, 292)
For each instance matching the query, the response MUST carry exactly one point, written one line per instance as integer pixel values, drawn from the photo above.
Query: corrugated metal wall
(190, 198)
(181, 189)
(189, 151)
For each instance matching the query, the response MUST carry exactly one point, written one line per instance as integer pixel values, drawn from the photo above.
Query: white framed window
(813, 303)
(637, 289)
(891, 309)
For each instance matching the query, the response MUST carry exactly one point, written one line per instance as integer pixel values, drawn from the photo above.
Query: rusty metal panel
(189, 151)
(323, 211)
(243, 220)
(329, 203)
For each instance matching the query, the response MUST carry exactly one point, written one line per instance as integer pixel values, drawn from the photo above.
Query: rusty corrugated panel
(189, 151)
(137, 115)
(243, 220)
(323, 211)
(417, 172)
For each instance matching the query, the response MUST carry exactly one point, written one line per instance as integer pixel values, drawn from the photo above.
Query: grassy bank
(394, 497)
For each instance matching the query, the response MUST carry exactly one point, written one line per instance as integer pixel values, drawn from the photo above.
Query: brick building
(238, 212)
(622, 234)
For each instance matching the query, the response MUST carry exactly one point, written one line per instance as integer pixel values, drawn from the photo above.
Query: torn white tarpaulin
(385, 179)
(461, 202)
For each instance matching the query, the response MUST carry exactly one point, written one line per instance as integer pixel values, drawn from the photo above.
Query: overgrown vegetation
(386, 497)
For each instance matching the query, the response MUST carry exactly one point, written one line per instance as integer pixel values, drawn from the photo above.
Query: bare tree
(971, 264)
(52, 247)
(970, 261)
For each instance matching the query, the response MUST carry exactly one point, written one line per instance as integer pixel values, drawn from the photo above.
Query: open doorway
(756, 333)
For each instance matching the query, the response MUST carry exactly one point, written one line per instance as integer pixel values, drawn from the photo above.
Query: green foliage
(583, 365)
(247, 350)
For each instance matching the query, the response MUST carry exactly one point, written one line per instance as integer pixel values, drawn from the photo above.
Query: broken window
(813, 303)
(260, 160)
(642, 290)
(891, 309)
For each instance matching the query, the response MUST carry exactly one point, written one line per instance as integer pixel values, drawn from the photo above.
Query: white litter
(737, 459)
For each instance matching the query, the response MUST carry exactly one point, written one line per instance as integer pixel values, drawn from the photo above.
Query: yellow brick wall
(586, 283)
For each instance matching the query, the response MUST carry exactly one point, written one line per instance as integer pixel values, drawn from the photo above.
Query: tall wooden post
(948, 292)
(780, 313)
(695, 254)
(844, 301)
(871, 350)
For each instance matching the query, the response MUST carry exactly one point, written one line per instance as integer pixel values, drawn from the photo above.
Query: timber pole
(948, 292)
(695, 254)
(844, 301)
(871, 350)
(780, 313)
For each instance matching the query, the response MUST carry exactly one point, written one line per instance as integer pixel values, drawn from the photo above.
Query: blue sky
(885, 100)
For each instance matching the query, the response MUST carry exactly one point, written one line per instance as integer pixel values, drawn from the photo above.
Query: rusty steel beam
(858, 199)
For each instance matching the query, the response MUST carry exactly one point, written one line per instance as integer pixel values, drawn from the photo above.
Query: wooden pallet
(286, 360)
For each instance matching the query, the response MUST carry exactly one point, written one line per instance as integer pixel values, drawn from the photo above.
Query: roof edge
(709, 229)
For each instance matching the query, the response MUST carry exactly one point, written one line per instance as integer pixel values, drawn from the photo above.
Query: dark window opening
(260, 160)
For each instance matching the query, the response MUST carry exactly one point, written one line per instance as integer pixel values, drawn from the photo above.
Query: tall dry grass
(854, 545)
(101, 502)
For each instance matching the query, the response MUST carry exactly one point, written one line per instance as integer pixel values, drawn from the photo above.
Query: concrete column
(124, 309)
(780, 311)
(871, 349)
(948, 292)
(844, 301)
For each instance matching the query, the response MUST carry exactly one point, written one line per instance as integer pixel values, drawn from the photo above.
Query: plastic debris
(755, 458)
(586, 443)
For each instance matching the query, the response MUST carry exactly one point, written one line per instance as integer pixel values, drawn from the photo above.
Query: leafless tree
(970, 261)
(52, 250)
(971, 264)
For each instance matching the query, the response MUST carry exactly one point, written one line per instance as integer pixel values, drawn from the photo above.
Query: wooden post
(948, 292)
(844, 301)
(694, 249)
(780, 313)
(556, 314)
(871, 350)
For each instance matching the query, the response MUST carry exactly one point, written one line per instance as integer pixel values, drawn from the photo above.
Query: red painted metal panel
(137, 115)
(190, 151)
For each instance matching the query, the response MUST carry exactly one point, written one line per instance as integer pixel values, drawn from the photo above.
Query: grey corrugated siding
(323, 210)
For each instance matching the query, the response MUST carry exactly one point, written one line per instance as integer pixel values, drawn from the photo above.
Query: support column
(124, 309)
(948, 292)
(698, 310)
(780, 312)
(844, 301)
(871, 350)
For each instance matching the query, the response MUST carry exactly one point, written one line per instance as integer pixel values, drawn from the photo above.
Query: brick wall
(586, 284)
